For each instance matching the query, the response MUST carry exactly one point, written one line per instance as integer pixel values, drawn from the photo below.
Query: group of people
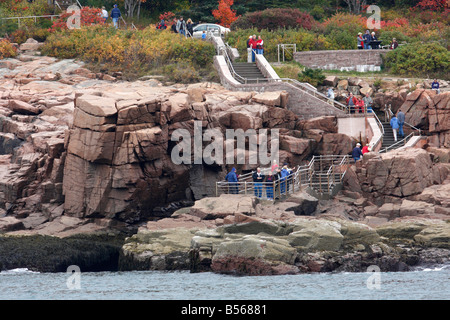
(357, 152)
(354, 103)
(366, 41)
(254, 46)
(397, 123)
(115, 15)
(359, 104)
(264, 182)
(180, 26)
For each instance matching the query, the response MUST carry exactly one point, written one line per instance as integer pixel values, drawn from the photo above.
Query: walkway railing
(415, 131)
(322, 174)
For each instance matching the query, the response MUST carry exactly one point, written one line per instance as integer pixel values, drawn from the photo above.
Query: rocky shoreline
(86, 178)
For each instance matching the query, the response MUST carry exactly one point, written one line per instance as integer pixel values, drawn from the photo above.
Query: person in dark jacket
(366, 38)
(435, 86)
(232, 178)
(258, 179)
(401, 122)
(115, 15)
(190, 27)
(356, 152)
(269, 185)
(174, 26)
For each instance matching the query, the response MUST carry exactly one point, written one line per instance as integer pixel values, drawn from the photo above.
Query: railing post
(245, 187)
(216, 189)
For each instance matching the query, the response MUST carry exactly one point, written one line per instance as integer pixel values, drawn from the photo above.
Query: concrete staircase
(388, 137)
(248, 71)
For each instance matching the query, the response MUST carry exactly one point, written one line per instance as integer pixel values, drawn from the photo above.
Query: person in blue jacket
(232, 178)
(395, 126)
(283, 179)
(115, 15)
(356, 152)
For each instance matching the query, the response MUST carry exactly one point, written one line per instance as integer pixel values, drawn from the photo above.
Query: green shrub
(312, 76)
(429, 59)
(134, 52)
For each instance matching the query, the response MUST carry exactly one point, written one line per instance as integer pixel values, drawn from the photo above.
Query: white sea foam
(18, 270)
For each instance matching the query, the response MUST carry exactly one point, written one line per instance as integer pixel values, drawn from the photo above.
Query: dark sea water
(422, 284)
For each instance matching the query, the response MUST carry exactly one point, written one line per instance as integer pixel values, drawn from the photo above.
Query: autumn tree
(224, 14)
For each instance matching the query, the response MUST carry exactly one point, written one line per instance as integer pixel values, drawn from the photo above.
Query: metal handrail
(393, 146)
(295, 177)
(307, 88)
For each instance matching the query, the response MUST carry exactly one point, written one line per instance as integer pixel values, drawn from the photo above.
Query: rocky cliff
(78, 147)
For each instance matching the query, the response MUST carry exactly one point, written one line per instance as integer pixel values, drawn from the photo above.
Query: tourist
(162, 25)
(401, 122)
(330, 95)
(253, 44)
(115, 15)
(368, 102)
(274, 166)
(360, 41)
(359, 105)
(435, 86)
(174, 26)
(258, 179)
(366, 38)
(189, 27)
(269, 186)
(365, 149)
(259, 45)
(249, 49)
(232, 180)
(373, 37)
(394, 44)
(277, 177)
(181, 27)
(356, 152)
(284, 173)
(104, 14)
(394, 125)
(351, 102)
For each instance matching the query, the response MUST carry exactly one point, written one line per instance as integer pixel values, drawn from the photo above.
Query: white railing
(319, 174)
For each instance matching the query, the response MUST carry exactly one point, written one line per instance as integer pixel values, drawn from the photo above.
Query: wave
(17, 271)
(441, 267)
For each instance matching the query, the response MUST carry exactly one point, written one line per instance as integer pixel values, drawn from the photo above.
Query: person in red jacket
(351, 102)
(253, 43)
(259, 45)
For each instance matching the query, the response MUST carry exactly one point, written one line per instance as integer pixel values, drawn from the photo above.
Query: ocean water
(422, 284)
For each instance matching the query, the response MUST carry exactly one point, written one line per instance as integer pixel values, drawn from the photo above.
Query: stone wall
(359, 60)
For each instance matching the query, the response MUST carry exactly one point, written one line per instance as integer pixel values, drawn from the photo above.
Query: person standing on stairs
(401, 122)
(356, 152)
(394, 125)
